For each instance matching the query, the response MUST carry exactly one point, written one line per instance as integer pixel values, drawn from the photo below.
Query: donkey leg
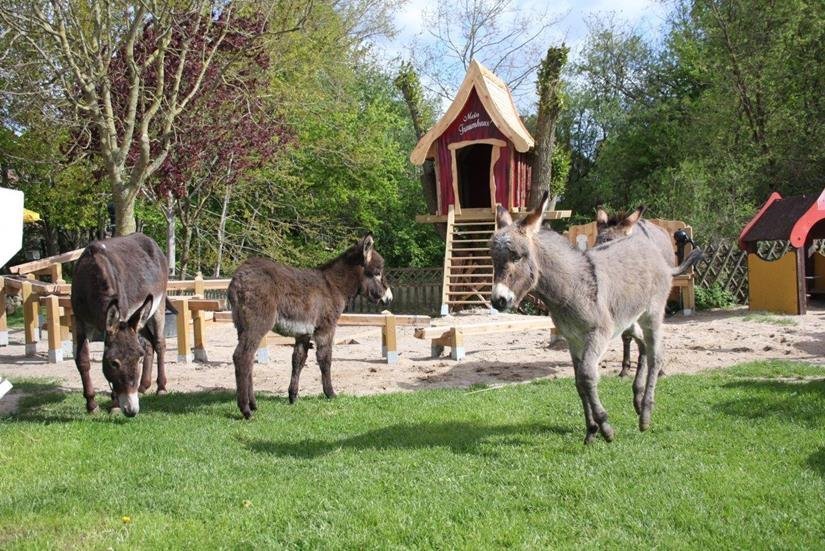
(655, 360)
(324, 356)
(146, 374)
(299, 358)
(81, 360)
(626, 338)
(159, 344)
(594, 349)
(591, 427)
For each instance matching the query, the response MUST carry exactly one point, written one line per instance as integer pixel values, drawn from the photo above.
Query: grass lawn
(735, 459)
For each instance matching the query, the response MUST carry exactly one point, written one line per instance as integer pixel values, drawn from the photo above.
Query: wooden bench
(387, 321)
(453, 335)
(583, 236)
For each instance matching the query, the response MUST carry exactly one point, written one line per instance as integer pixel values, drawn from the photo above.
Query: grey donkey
(622, 225)
(593, 297)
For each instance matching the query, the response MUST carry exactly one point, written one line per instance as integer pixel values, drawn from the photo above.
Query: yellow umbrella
(30, 216)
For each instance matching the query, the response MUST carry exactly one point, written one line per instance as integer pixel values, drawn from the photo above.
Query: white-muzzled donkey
(593, 297)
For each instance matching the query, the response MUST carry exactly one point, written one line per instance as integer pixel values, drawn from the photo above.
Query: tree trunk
(170, 233)
(124, 211)
(410, 86)
(221, 228)
(550, 103)
(184, 255)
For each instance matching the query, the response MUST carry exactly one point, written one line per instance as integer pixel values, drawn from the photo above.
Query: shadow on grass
(800, 401)
(817, 461)
(458, 436)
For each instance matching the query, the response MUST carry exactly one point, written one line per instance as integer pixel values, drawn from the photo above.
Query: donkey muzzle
(386, 299)
(502, 297)
(129, 403)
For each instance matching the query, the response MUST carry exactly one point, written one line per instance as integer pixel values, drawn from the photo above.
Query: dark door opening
(473, 169)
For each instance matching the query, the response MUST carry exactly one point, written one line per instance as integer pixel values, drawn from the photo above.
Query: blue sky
(647, 16)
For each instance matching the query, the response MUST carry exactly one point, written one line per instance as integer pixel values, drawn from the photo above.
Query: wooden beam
(380, 320)
(31, 308)
(53, 327)
(486, 215)
(36, 265)
(184, 343)
(485, 328)
(196, 304)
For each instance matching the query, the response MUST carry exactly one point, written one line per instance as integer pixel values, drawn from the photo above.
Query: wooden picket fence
(725, 265)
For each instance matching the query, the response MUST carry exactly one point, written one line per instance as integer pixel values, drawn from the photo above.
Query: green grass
(773, 319)
(735, 459)
(15, 320)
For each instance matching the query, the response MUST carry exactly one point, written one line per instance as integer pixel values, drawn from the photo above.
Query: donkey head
(515, 260)
(619, 225)
(372, 284)
(122, 354)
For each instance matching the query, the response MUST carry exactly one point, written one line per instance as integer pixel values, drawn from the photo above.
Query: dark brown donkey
(119, 290)
(300, 303)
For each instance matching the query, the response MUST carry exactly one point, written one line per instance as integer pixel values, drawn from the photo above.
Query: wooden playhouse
(785, 263)
(480, 149)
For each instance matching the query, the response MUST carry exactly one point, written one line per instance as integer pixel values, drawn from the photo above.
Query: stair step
(464, 293)
(455, 249)
(463, 224)
(484, 302)
(480, 232)
(470, 241)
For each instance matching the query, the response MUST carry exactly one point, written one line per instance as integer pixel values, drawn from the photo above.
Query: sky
(647, 16)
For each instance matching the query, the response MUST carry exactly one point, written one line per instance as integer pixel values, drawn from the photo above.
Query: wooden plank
(485, 328)
(379, 320)
(197, 304)
(30, 267)
(184, 342)
(222, 317)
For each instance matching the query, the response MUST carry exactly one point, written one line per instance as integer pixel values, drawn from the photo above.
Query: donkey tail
(232, 299)
(695, 256)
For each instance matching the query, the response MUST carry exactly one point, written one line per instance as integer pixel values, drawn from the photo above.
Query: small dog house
(479, 147)
(784, 262)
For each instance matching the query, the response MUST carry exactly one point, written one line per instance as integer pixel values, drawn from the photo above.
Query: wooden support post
(53, 327)
(56, 273)
(457, 343)
(389, 340)
(31, 308)
(184, 343)
(66, 328)
(200, 288)
(4, 327)
(688, 299)
(198, 323)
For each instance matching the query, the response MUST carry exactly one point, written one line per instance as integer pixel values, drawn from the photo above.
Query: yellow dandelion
(126, 519)
(247, 503)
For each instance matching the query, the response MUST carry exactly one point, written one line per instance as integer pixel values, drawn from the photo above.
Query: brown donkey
(622, 225)
(119, 290)
(300, 303)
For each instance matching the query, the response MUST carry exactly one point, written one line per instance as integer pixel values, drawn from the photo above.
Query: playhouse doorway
(473, 171)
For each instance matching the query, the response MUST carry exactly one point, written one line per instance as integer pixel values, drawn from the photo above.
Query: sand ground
(705, 340)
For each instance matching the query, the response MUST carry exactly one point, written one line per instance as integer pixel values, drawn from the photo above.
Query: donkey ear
(366, 247)
(532, 223)
(634, 217)
(112, 317)
(601, 216)
(503, 218)
(141, 315)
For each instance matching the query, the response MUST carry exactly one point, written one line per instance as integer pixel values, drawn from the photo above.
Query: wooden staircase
(468, 268)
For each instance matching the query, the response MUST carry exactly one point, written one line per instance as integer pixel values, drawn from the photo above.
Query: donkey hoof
(161, 391)
(114, 410)
(590, 437)
(623, 372)
(330, 395)
(662, 373)
(93, 409)
(247, 413)
(644, 424)
(292, 398)
(607, 432)
(142, 389)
